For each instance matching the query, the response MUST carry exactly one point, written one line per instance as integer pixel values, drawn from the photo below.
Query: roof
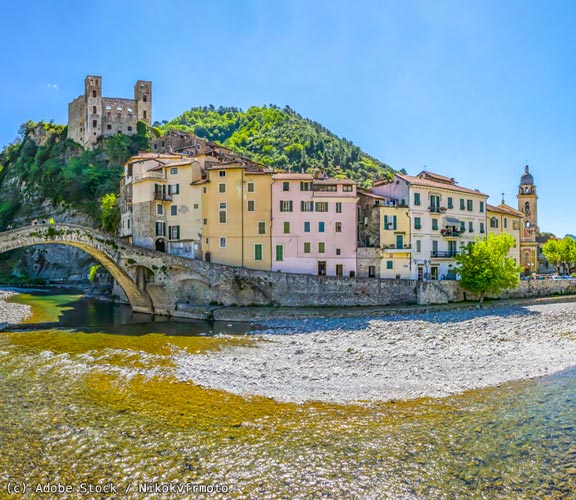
(418, 181)
(372, 195)
(333, 181)
(504, 209)
(293, 176)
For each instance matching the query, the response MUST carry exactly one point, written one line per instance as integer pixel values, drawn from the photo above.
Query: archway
(160, 245)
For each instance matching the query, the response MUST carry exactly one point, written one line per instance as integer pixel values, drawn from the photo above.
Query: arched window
(527, 208)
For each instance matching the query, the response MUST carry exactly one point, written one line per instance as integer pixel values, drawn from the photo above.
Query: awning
(451, 221)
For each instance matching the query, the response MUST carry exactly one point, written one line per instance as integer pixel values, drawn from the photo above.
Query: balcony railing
(436, 210)
(163, 196)
(396, 247)
(451, 233)
(443, 254)
(148, 175)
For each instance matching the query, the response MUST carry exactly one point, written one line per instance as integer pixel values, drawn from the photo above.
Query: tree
(552, 250)
(485, 268)
(110, 213)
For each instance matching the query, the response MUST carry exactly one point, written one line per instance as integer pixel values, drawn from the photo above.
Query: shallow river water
(89, 401)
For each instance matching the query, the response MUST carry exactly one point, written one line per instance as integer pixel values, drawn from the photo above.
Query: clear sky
(470, 89)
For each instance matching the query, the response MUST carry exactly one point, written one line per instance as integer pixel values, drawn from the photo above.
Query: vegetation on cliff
(280, 138)
(43, 165)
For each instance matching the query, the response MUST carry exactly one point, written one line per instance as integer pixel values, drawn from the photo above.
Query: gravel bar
(10, 313)
(358, 360)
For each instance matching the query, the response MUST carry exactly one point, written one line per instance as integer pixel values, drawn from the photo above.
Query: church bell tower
(528, 204)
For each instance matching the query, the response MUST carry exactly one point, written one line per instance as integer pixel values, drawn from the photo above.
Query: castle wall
(118, 115)
(76, 120)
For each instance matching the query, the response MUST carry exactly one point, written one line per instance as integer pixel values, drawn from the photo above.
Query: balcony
(436, 210)
(148, 175)
(443, 254)
(452, 232)
(395, 248)
(162, 197)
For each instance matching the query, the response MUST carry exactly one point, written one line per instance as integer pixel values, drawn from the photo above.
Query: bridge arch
(105, 249)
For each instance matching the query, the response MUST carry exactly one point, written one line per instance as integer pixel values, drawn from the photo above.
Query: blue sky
(469, 89)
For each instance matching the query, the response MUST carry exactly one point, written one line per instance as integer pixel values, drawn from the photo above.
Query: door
(160, 245)
(434, 272)
(420, 273)
(399, 241)
(452, 248)
(322, 268)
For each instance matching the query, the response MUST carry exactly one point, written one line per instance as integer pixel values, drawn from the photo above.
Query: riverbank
(11, 313)
(396, 357)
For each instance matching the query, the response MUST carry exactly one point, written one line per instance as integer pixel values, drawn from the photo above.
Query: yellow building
(237, 214)
(505, 219)
(395, 241)
(528, 205)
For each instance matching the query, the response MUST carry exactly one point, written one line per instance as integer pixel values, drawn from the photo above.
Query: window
(204, 191)
(516, 225)
(493, 222)
(306, 227)
(222, 242)
(481, 206)
(196, 206)
(306, 247)
(338, 207)
(390, 222)
(469, 205)
(160, 229)
(339, 268)
(417, 223)
(129, 128)
(285, 186)
(321, 206)
(174, 232)
(347, 188)
(249, 187)
(285, 206)
(435, 247)
(450, 202)
(338, 251)
(321, 227)
(321, 247)
(94, 123)
(462, 226)
(261, 227)
(145, 98)
(173, 209)
(505, 222)
(222, 213)
(371, 271)
(416, 198)
(307, 206)
(482, 230)
(174, 189)
(93, 93)
(435, 224)
(145, 114)
(222, 173)
(435, 203)
(338, 227)
(418, 246)
(173, 170)
(221, 187)
(286, 228)
(470, 226)
(329, 188)
(462, 204)
(279, 253)
(250, 205)
(258, 251)
(94, 109)
(159, 209)
(389, 264)
(305, 186)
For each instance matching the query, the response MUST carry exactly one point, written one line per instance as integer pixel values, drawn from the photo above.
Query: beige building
(505, 219)
(161, 204)
(237, 214)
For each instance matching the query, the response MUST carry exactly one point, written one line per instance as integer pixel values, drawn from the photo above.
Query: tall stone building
(91, 116)
(528, 205)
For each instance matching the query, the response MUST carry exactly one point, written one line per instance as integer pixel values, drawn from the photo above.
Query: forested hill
(280, 138)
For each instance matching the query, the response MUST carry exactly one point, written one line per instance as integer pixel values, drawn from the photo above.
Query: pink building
(313, 225)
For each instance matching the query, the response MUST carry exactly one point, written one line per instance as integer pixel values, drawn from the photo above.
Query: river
(89, 399)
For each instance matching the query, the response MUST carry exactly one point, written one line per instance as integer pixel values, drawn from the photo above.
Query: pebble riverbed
(10, 313)
(391, 358)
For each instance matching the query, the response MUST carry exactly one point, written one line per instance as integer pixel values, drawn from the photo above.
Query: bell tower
(528, 204)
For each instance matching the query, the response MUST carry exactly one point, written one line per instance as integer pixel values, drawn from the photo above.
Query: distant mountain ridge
(280, 138)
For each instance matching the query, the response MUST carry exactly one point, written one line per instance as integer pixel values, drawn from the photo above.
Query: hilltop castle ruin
(91, 116)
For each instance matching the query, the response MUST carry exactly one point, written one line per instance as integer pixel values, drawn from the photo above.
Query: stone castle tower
(92, 116)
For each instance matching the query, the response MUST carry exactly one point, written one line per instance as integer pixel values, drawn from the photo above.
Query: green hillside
(280, 138)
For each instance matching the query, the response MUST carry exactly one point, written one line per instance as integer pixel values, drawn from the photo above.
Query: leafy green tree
(110, 213)
(552, 250)
(485, 268)
(93, 272)
(118, 149)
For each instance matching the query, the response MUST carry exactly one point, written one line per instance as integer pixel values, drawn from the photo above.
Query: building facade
(313, 225)
(444, 217)
(528, 205)
(91, 116)
(505, 219)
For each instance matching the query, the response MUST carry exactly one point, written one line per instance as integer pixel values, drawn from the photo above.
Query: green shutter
(385, 222)
(394, 222)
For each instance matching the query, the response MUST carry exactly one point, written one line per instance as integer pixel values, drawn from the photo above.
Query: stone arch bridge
(164, 284)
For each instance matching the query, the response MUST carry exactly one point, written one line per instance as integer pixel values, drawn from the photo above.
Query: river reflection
(94, 398)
